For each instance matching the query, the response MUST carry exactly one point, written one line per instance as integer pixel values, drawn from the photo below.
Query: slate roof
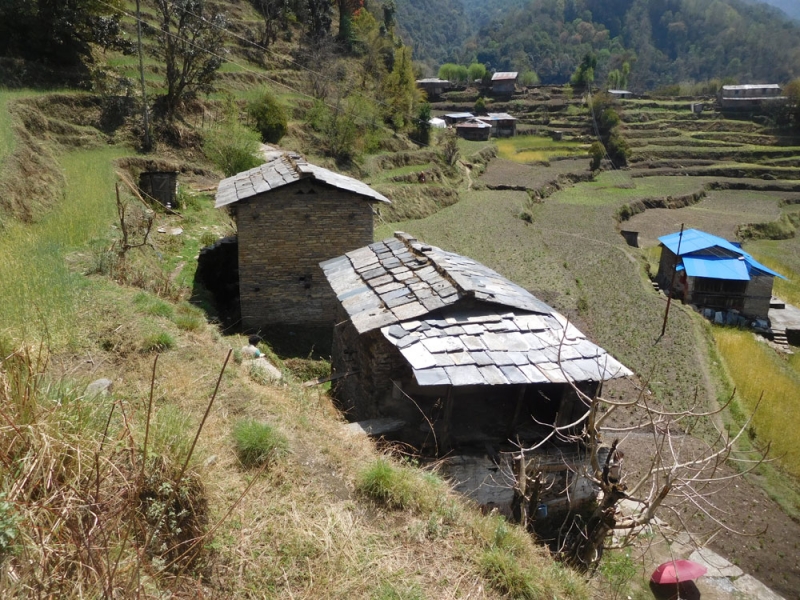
(706, 255)
(457, 322)
(283, 170)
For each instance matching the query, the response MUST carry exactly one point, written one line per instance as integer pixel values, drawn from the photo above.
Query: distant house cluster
(481, 127)
(714, 274)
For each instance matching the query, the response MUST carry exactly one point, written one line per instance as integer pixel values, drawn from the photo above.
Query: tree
(347, 8)
(400, 88)
(423, 133)
(269, 117)
(597, 152)
(59, 32)
(480, 106)
(680, 474)
(476, 71)
(584, 74)
(190, 45)
(318, 18)
(792, 93)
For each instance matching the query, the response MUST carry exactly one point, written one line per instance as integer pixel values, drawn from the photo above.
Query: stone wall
(283, 236)
(374, 362)
(757, 297)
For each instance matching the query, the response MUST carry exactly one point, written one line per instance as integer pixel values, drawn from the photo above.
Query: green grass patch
(756, 369)
(39, 290)
(258, 443)
(616, 187)
(401, 487)
(158, 342)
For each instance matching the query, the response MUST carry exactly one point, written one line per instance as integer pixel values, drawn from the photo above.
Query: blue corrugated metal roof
(732, 269)
(694, 240)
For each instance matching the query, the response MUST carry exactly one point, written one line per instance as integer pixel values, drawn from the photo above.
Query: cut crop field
(720, 212)
(572, 257)
(617, 187)
(503, 172)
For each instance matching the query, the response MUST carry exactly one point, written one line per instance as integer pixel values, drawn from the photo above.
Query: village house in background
(459, 117)
(474, 130)
(749, 97)
(433, 86)
(502, 124)
(504, 83)
(291, 215)
(620, 94)
(715, 274)
(456, 360)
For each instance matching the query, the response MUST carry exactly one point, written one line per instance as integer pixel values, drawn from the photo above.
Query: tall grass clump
(515, 566)
(756, 369)
(258, 443)
(401, 486)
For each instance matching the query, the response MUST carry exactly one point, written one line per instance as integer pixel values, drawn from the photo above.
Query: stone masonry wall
(283, 236)
(757, 297)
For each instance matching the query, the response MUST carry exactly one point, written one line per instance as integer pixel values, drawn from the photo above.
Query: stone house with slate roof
(429, 338)
(290, 216)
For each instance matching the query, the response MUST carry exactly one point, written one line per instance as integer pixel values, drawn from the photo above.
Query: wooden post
(145, 116)
(672, 283)
(517, 410)
(444, 436)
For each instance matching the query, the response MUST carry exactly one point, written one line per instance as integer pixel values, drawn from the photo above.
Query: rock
(375, 426)
(717, 565)
(272, 372)
(754, 589)
(99, 387)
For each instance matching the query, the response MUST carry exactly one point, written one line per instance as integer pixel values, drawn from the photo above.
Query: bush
(480, 106)
(232, 147)
(269, 117)
(597, 152)
(257, 443)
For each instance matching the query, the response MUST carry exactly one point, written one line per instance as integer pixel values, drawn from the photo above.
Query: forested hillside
(435, 29)
(790, 7)
(664, 41)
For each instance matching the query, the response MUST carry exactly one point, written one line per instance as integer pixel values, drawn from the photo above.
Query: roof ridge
(420, 249)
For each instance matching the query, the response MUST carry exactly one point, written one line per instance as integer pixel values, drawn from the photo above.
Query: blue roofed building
(711, 272)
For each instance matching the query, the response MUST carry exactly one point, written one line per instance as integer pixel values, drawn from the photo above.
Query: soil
(769, 550)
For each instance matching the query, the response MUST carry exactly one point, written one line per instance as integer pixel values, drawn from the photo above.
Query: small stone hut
(504, 83)
(290, 216)
(459, 358)
(502, 124)
(433, 86)
(711, 272)
(474, 130)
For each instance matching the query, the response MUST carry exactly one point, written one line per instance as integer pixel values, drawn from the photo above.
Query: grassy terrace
(41, 292)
